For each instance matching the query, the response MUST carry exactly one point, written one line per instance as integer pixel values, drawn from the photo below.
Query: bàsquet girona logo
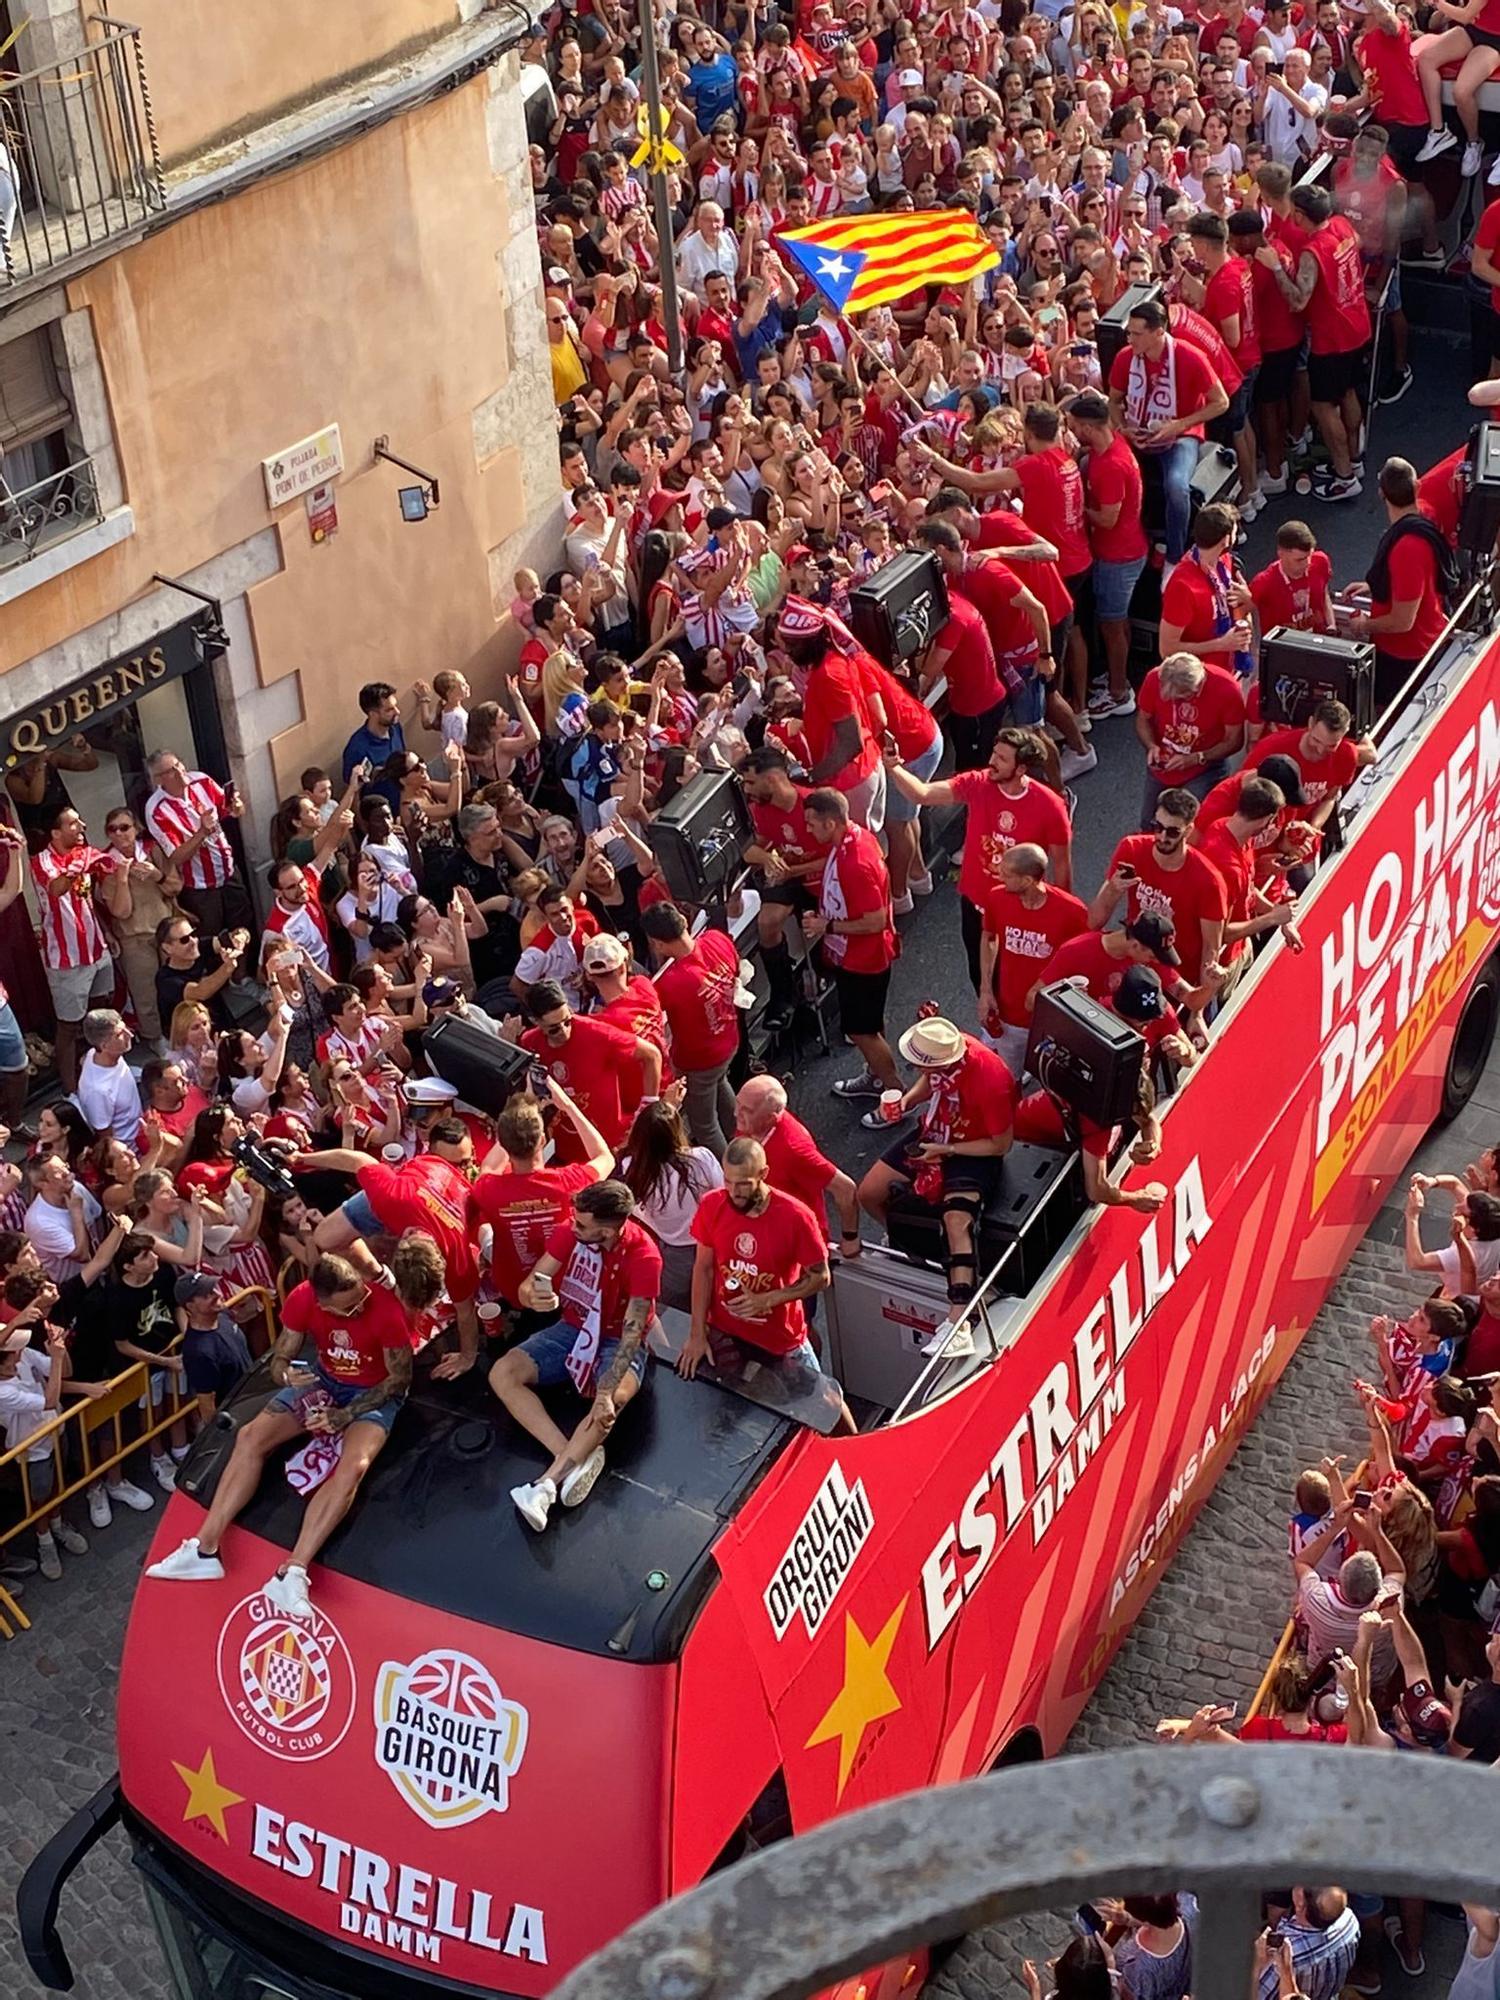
(446, 1737)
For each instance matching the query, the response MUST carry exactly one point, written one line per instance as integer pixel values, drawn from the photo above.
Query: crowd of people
(249, 1104)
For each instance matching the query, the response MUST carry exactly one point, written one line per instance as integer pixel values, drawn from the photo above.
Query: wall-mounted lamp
(416, 501)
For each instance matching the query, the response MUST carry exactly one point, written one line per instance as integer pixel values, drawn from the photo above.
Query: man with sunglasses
(1158, 872)
(187, 972)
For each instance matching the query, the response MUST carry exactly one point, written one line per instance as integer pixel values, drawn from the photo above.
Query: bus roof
(434, 1522)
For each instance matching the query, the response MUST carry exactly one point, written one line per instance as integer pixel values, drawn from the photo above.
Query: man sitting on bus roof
(604, 1304)
(352, 1389)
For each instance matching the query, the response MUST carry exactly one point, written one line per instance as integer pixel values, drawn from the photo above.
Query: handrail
(78, 1425)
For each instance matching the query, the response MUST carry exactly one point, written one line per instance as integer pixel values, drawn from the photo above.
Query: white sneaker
(1252, 505)
(902, 906)
(534, 1503)
(1125, 705)
(1492, 178)
(1269, 486)
(1073, 765)
(163, 1472)
(919, 885)
(72, 1541)
(180, 1452)
(99, 1512)
(948, 1340)
(1435, 143)
(1473, 159)
(128, 1494)
(50, 1560)
(288, 1592)
(185, 1565)
(582, 1480)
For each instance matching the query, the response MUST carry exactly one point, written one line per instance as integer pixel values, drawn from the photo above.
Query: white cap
(911, 79)
(431, 1090)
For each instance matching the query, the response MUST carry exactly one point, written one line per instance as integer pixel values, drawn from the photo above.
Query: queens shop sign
(46, 724)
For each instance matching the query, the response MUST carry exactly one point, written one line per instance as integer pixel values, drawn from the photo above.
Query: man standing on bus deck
(606, 1298)
(352, 1389)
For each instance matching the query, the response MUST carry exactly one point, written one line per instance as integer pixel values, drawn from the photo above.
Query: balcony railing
(78, 155)
(37, 516)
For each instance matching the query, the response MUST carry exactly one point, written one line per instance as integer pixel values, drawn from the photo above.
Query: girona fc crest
(288, 1683)
(447, 1738)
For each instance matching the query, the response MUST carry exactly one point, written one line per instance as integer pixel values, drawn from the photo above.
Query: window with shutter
(32, 401)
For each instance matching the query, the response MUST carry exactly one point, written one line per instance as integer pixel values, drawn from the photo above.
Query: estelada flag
(859, 261)
(810, 62)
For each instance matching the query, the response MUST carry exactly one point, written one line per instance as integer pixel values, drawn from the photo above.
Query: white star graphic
(832, 267)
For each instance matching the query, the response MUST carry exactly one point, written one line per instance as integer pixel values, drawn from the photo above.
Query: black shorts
(1480, 37)
(1492, 322)
(1403, 143)
(789, 895)
(964, 1174)
(1080, 588)
(1330, 377)
(1225, 429)
(862, 997)
(1273, 378)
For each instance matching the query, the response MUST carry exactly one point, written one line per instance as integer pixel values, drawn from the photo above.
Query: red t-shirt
(1223, 801)
(1196, 382)
(1187, 601)
(907, 717)
(351, 1346)
(1301, 602)
(1440, 491)
(432, 1195)
(856, 882)
(697, 993)
(794, 1163)
(590, 1276)
(1271, 1728)
(1052, 498)
(1414, 574)
(638, 1011)
(786, 830)
(1338, 319)
(1320, 775)
(1235, 861)
(760, 1253)
(973, 684)
(1028, 939)
(833, 693)
(1487, 238)
(993, 588)
(1188, 724)
(1230, 294)
(1001, 529)
(1084, 957)
(1186, 896)
(976, 1099)
(1366, 200)
(1390, 72)
(1114, 475)
(594, 1067)
(523, 1210)
(998, 820)
(1276, 325)
(1040, 1122)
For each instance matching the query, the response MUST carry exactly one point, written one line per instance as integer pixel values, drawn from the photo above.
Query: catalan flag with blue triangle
(859, 261)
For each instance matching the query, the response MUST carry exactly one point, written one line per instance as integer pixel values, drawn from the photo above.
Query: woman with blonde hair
(564, 702)
(190, 1043)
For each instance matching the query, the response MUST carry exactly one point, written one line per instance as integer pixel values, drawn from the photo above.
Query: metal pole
(666, 246)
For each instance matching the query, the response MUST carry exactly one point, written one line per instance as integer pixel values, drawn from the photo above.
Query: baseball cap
(1154, 931)
(194, 1285)
(934, 1044)
(431, 1089)
(723, 517)
(1283, 771)
(910, 79)
(439, 993)
(605, 954)
(287, 1125)
(1139, 996)
(1430, 1720)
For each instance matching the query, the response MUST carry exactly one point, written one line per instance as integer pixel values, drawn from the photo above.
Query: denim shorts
(797, 1371)
(287, 1401)
(549, 1351)
(358, 1213)
(1114, 586)
(898, 806)
(12, 1046)
(1029, 702)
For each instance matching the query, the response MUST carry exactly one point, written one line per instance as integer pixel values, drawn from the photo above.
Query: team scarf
(1147, 403)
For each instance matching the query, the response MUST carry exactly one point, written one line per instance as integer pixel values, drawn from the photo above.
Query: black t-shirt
(1478, 1728)
(141, 1314)
(497, 953)
(171, 991)
(215, 1358)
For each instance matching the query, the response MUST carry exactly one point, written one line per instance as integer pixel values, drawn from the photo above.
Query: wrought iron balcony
(36, 517)
(78, 156)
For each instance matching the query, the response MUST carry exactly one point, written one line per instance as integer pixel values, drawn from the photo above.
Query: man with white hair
(707, 247)
(1190, 716)
(794, 1163)
(185, 817)
(107, 1093)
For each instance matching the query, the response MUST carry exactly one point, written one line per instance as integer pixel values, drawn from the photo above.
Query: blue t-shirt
(713, 88)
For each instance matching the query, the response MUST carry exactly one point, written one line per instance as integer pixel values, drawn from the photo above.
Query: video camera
(264, 1163)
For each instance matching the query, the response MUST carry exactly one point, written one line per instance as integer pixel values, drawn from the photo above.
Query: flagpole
(880, 362)
(671, 311)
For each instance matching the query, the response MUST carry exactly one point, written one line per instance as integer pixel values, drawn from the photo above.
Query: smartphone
(1087, 1921)
(1126, 873)
(1044, 203)
(1363, 1499)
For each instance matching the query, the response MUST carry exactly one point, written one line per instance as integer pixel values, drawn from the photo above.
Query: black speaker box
(698, 838)
(485, 1071)
(896, 613)
(1300, 669)
(1479, 523)
(1039, 1197)
(1085, 1054)
(1110, 328)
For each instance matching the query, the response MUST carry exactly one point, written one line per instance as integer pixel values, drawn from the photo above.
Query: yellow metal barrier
(90, 1436)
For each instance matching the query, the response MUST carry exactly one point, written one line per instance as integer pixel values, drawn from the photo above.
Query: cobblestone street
(1204, 1636)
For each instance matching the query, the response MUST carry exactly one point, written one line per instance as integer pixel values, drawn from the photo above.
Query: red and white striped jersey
(360, 1049)
(172, 821)
(307, 925)
(71, 932)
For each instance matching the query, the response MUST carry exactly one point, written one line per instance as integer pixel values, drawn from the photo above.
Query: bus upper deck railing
(87, 1439)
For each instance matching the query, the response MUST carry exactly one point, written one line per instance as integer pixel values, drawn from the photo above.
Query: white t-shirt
(558, 960)
(109, 1097)
(453, 724)
(50, 1231)
(23, 1403)
(1486, 1261)
(1285, 126)
(670, 1211)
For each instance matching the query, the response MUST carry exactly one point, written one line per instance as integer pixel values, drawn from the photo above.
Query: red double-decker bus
(487, 1752)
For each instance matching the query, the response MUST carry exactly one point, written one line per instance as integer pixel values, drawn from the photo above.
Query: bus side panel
(901, 1590)
(724, 1748)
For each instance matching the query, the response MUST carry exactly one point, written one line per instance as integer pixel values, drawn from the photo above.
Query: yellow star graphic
(866, 1694)
(207, 1798)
